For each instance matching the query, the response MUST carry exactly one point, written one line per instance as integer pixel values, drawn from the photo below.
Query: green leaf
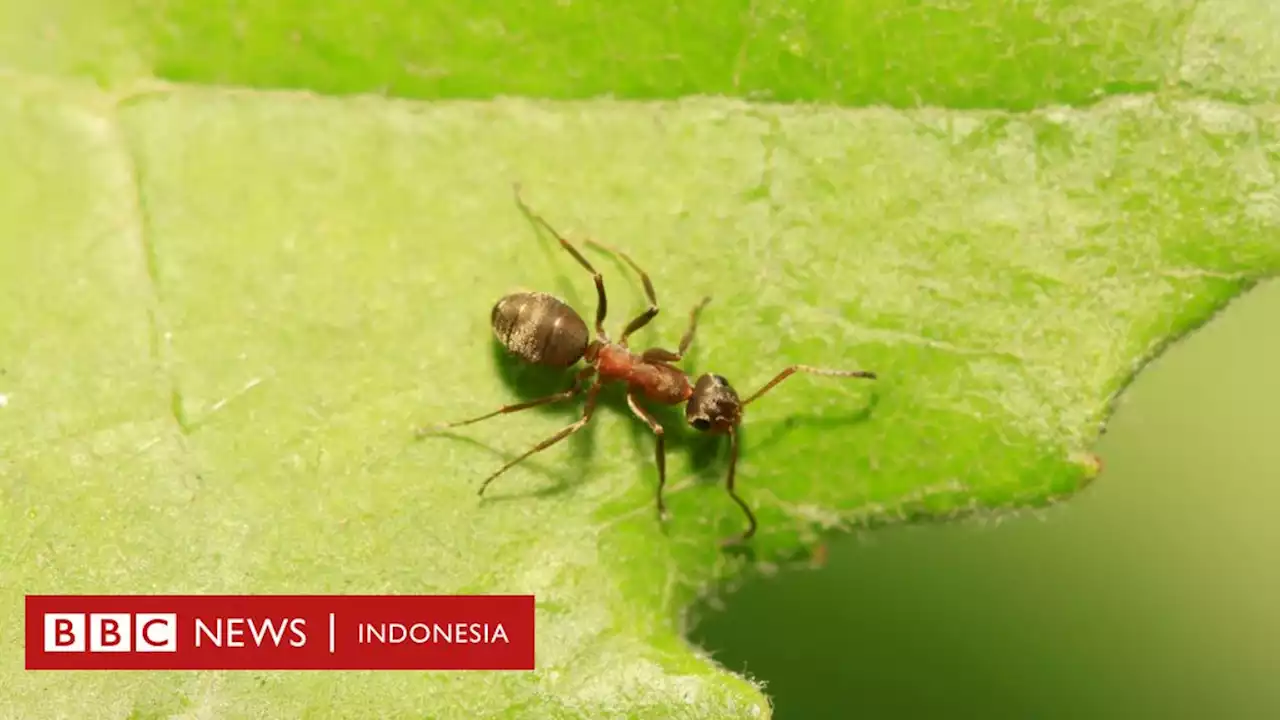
(226, 310)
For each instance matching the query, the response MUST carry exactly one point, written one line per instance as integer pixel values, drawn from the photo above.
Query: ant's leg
(751, 518)
(666, 355)
(566, 432)
(660, 453)
(602, 304)
(687, 340)
(576, 388)
(812, 370)
(643, 318)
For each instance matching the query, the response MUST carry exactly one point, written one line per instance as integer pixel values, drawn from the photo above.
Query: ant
(544, 330)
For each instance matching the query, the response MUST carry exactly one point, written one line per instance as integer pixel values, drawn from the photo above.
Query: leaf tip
(1090, 462)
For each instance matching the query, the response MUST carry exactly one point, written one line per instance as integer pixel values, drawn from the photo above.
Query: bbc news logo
(279, 632)
(110, 632)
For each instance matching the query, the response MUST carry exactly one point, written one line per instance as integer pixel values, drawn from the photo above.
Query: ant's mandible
(544, 330)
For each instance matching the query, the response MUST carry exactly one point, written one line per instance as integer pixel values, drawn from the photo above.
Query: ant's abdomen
(540, 328)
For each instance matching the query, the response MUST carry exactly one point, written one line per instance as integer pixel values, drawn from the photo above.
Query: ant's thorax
(654, 380)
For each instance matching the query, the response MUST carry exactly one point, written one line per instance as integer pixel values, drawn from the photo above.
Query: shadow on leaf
(781, 429)
(529, 464)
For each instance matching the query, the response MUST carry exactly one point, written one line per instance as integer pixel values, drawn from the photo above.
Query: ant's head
(714, 405)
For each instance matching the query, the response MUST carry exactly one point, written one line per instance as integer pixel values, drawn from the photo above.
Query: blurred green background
(1154, 593)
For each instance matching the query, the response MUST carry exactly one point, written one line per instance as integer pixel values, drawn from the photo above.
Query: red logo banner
(280, 632)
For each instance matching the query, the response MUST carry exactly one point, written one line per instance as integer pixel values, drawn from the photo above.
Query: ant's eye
(701, 424)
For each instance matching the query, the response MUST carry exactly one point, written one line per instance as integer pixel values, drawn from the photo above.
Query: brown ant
(544, 330)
